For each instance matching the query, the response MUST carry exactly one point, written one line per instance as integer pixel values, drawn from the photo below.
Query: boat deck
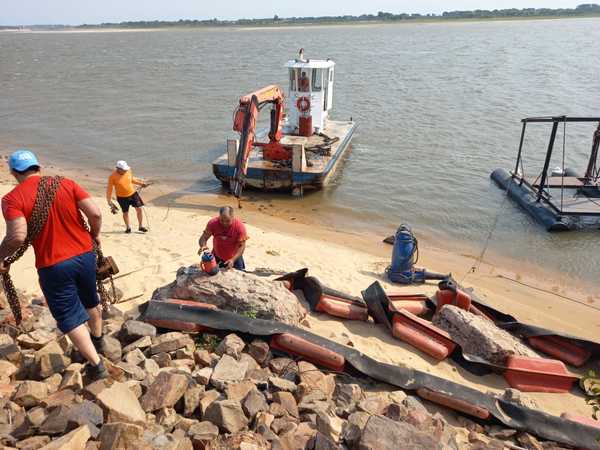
(558, 182)
(580, 205)
(319, 149)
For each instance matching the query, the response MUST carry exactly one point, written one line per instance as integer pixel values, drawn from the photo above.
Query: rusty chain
(46, 193)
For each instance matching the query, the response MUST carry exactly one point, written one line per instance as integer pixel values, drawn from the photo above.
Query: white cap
(123, 165)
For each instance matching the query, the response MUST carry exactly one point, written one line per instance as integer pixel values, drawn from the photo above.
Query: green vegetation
(584, 10)
(590, 384)
(207, 342)
(251, 313)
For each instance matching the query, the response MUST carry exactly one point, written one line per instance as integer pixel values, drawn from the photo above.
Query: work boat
(303, 146)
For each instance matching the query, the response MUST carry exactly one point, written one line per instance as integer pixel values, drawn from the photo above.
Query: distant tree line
(588, 9)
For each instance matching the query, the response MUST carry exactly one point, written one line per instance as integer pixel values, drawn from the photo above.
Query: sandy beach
(345, 261)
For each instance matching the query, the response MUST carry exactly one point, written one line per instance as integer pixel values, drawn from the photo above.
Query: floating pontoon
(303, 146)
(561, 199)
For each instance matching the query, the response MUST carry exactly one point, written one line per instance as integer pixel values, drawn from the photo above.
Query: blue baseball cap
(22, 159)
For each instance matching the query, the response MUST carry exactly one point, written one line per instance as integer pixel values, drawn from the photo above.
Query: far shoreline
(283, 26)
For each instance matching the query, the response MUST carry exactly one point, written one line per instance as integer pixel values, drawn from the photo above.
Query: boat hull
(272, 176)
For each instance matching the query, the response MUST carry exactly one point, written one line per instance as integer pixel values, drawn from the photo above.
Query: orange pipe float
(453, 403)
(560, 348)
(314, 353)
(338, 307)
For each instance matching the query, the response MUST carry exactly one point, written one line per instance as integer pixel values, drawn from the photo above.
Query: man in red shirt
(64, 258)
(229, 239)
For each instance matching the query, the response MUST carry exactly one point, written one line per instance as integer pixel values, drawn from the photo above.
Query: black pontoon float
(561, 199)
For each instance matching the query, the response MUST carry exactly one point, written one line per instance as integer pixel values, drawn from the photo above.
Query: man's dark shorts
(70, 289)
(125, 202)
(237, 264)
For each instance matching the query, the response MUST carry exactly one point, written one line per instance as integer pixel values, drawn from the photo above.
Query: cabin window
(292, 80)
(330, 75)
(317, 79)
(304, 80)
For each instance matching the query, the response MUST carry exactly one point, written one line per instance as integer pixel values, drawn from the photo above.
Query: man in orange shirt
(64, 258)
(122, 180)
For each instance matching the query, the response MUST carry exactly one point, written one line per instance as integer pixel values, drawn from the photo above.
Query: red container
(305, 126)
(344, 309)
(314, 353)
(453, 403)
(422, 334)
(458, 298)
(538, 374)
(560, 348)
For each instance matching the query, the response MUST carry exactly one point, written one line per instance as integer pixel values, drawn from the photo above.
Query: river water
(438, 106)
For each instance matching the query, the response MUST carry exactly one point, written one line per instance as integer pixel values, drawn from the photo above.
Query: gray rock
(121, 436)
(170, 342)
(381, 433)
(228, 370)
(288, 403)
(330, 425)
(36, 416)
(166, 390)
(10, 352)
(353, 428)
(121, 404)
(516, 396)
(480, 337)
(321, 442)
(254, 403)
(227, 415)
(50, 363)
(141, 343)
(85, 413)
(191, 399)
(231, 345)
(259, 350)
(237, 291)
(111, 348)
(202, 376)
(72, 380)
(134, 357)
(284, 367)
(347, 396)
(281, 384)
(203, 431)
(133, 330)
(57, 421)
(150, 366)
(207, 399)
(30, 393)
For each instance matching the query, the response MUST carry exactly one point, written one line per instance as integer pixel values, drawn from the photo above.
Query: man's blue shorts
(70, 289)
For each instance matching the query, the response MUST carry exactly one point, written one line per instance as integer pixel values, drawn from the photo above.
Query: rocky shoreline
(179, 391)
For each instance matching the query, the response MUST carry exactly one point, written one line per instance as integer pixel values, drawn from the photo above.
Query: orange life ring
(303, 104)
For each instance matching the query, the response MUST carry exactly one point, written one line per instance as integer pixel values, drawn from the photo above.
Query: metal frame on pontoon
(576, 206)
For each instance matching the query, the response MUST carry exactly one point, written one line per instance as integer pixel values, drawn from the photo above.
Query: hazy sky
(74, 12)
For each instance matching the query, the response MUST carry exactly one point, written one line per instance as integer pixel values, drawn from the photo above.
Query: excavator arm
(244, 122)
